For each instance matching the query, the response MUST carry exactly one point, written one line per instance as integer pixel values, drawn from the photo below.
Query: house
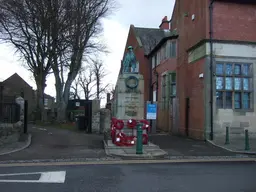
(143, 40)
(163, 77)
(216, 60)
(16, 86)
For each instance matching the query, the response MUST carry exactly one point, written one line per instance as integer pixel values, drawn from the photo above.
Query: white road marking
(46, 177)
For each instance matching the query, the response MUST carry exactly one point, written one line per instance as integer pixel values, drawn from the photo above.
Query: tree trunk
(62, 98)
(40, 100)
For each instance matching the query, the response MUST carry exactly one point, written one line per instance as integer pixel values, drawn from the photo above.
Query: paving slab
(149, 151)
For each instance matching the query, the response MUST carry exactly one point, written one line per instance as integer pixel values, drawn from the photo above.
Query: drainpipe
(150, 81)
(211, 66)
(155, 72)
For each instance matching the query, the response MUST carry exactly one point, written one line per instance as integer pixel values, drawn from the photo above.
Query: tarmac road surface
(161, 177)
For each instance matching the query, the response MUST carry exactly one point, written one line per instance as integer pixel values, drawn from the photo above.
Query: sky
(140, 13)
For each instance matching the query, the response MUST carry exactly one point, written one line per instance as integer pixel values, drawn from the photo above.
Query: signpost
(151, 111)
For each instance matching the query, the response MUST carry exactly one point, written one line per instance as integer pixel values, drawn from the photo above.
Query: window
(163, 87)
(173, 49)
(45, 102)
(163, 52)
(158, 59)
(234, 85)
(153, 62)
(172, 85)
(154, 96)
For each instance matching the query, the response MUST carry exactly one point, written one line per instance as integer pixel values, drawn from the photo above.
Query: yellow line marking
(126, 162)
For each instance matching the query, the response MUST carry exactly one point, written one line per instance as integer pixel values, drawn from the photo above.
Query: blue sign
(151, 111)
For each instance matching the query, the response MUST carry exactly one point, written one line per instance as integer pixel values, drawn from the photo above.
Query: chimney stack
(165, 24)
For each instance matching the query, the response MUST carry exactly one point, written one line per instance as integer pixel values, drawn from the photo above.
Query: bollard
(139, 145)
(247, 145)
(227, 136)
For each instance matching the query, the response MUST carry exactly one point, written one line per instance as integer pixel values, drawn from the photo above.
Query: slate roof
(150, 37)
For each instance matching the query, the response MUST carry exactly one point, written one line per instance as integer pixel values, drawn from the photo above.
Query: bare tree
(99, 72)
(86, 81)
(25, 25)
(75, 28)
(74, 92)
(54, 34)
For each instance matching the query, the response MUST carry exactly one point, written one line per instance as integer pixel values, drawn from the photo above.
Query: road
(53, 143)
(183, 177)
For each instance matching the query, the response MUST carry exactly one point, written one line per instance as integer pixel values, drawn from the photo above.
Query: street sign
(151, 110)
(45, 177)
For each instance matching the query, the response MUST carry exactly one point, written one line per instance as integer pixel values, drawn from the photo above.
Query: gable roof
(15, 77)
(148, 38)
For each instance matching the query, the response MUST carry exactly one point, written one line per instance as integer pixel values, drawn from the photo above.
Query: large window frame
(164, 90)
(234, 85)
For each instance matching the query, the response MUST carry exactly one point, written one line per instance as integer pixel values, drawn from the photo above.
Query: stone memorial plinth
(129, 102)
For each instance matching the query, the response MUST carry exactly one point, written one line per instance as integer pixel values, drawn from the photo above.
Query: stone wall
(10, 133)
(105, 116)
(96, 122)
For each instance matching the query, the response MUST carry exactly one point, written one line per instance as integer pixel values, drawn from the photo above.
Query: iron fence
(9, 112)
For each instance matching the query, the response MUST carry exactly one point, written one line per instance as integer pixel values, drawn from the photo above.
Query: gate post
(25, 122)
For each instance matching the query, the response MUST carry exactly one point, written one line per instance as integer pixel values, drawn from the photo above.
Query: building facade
(215, 66)
(163, 72)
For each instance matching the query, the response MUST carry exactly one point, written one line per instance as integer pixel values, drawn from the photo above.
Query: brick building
(15, 86)
(216, 60)
(163, 58)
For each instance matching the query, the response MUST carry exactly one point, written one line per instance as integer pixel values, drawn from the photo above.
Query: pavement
(125, 177)
(165, 146)
(182, 146)
(149, 151)
(23, 143)
(236, 144)
(55, 143)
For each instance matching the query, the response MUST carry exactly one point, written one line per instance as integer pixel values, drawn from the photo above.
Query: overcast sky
(141, 13)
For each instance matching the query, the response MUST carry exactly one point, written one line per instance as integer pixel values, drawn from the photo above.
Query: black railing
(9, 112)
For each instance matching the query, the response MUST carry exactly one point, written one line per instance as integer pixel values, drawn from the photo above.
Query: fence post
(247, 144)
(227, 136)
(25, 117)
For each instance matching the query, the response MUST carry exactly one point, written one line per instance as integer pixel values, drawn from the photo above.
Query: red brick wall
(190, 32)
(144, 65)
(195, 92)
(232, 21)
